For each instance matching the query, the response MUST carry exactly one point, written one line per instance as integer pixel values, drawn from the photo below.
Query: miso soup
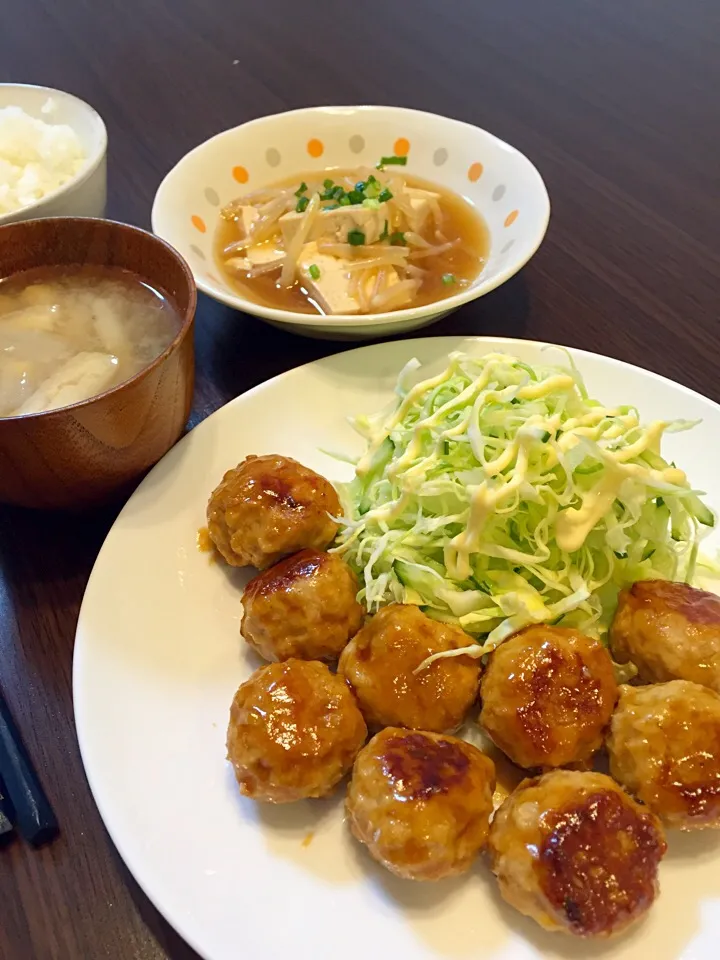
(70, 333)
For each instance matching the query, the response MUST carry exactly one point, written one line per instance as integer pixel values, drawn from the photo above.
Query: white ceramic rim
(137, 867)
(91, 163)
(371, 319)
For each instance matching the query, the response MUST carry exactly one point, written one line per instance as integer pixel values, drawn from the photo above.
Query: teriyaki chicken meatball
(304, 606)
(547, 697)
(670, 631)
(664, 748)
(381, 661)
(294, 732)
(421, 802)
(574, 852)
(269, 507)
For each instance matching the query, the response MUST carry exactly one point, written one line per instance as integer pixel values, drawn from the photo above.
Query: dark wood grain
(614, 100)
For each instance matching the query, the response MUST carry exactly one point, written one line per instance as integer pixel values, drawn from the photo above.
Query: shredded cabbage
(496, 495)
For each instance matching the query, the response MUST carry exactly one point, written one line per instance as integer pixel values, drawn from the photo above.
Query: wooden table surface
(616, 102)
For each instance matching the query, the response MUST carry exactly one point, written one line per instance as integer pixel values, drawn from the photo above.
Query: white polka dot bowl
(497, 179)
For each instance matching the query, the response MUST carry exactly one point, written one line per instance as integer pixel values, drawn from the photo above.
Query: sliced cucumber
(702, 513)
(417, 578)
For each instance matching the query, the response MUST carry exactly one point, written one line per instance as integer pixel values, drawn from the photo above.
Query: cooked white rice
(35, 158)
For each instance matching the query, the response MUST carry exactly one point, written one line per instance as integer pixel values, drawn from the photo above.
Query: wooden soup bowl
(92, 452)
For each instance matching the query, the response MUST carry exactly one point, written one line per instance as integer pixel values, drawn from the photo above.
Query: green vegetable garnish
(345, 201)
(356, 196)
(314, 271)
(397, 239)
(385, 195)
(301, 189)
(497, 494)
(372, 187)
(371, 203)
(328, 184)
(392, 162)
(448, 278)
(355, 238)
(302, 204)
(385, 234)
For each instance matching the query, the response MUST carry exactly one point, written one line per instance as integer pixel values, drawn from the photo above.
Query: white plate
(158, 659)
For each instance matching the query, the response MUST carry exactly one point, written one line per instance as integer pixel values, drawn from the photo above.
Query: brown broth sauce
(465, 262)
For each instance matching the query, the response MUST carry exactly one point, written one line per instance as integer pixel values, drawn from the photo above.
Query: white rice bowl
(36, 157)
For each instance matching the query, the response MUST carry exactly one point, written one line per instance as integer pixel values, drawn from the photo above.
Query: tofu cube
(336, 224)
(331, 289)
(257, 255)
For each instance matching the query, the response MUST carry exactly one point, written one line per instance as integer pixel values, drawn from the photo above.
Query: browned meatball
(576, 853)
(670, 631)
(304, 606)
(421, 802)
(269, 507)
(547, 696)
(664, 747)
(379, 665)
(294, 732)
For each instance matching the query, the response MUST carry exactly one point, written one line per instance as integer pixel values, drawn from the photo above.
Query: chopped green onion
(302, 204)
(338, 193)
(372, 187)
(371, 203)
(345, 201)
(385, 234)
(448, 278)
(331, 206)
(301, 189)
(360, 186)
(314, 271)
(385, 195)
(392, 162)
(328, 184)
(356, 238)
(397, 239)
(356, 196)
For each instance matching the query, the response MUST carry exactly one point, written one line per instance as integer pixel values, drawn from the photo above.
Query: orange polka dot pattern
(475, 172)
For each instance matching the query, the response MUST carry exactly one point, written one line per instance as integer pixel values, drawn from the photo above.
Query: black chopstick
(6, 826)
(33, 814)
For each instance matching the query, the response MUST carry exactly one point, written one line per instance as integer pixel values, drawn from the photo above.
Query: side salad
(497, 494)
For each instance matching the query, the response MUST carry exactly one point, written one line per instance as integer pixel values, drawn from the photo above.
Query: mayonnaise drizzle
(601, 425)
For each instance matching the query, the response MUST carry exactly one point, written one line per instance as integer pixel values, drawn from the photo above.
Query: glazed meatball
(269, 507)
(664, 747)
(304, 606)
(379, 665)
(574, 852)
(294, 732)
(421, 802)
(670, 631)
(547, 697)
